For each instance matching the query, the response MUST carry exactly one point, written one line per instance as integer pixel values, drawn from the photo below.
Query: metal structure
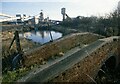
(6, 15)
(65, 16)
(18, 17)
(63, 10)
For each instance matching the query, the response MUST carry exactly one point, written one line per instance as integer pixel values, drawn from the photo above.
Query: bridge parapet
(80, 66)
(86, 69)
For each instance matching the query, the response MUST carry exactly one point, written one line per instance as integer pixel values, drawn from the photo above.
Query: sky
(52, 8)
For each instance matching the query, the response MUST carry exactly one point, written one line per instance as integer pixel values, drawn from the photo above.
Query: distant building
(36, 20)
(19, 20)
(41, 18)
(24, 16)
(46, 19)
(31, 21)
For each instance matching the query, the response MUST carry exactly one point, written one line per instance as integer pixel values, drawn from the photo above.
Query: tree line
(109, 25)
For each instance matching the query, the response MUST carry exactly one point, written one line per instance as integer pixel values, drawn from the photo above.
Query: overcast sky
(52, 8)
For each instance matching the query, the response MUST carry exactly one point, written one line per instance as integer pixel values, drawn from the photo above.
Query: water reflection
(41, 36)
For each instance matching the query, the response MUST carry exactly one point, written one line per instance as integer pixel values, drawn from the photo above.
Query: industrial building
(38, 19)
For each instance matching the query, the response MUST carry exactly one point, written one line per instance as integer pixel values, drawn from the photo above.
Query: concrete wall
(62, 45)
(87, 69)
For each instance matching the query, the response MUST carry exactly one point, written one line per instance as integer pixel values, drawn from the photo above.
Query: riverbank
(8, 34)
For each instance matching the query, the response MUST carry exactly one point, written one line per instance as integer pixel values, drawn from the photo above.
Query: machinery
(65, 16)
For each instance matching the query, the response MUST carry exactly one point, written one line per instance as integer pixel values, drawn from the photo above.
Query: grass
(13, 76)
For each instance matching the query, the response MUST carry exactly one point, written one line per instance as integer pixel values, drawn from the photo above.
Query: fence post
(18, 42)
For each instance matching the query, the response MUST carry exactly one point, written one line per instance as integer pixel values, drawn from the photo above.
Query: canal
(41, 36)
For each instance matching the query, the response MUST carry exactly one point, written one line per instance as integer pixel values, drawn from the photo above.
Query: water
(40, 36)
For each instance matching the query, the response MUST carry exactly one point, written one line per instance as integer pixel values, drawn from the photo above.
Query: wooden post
(50, 32)
(12, 42)
(16, 61)
(51, 36)
(18, 42)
